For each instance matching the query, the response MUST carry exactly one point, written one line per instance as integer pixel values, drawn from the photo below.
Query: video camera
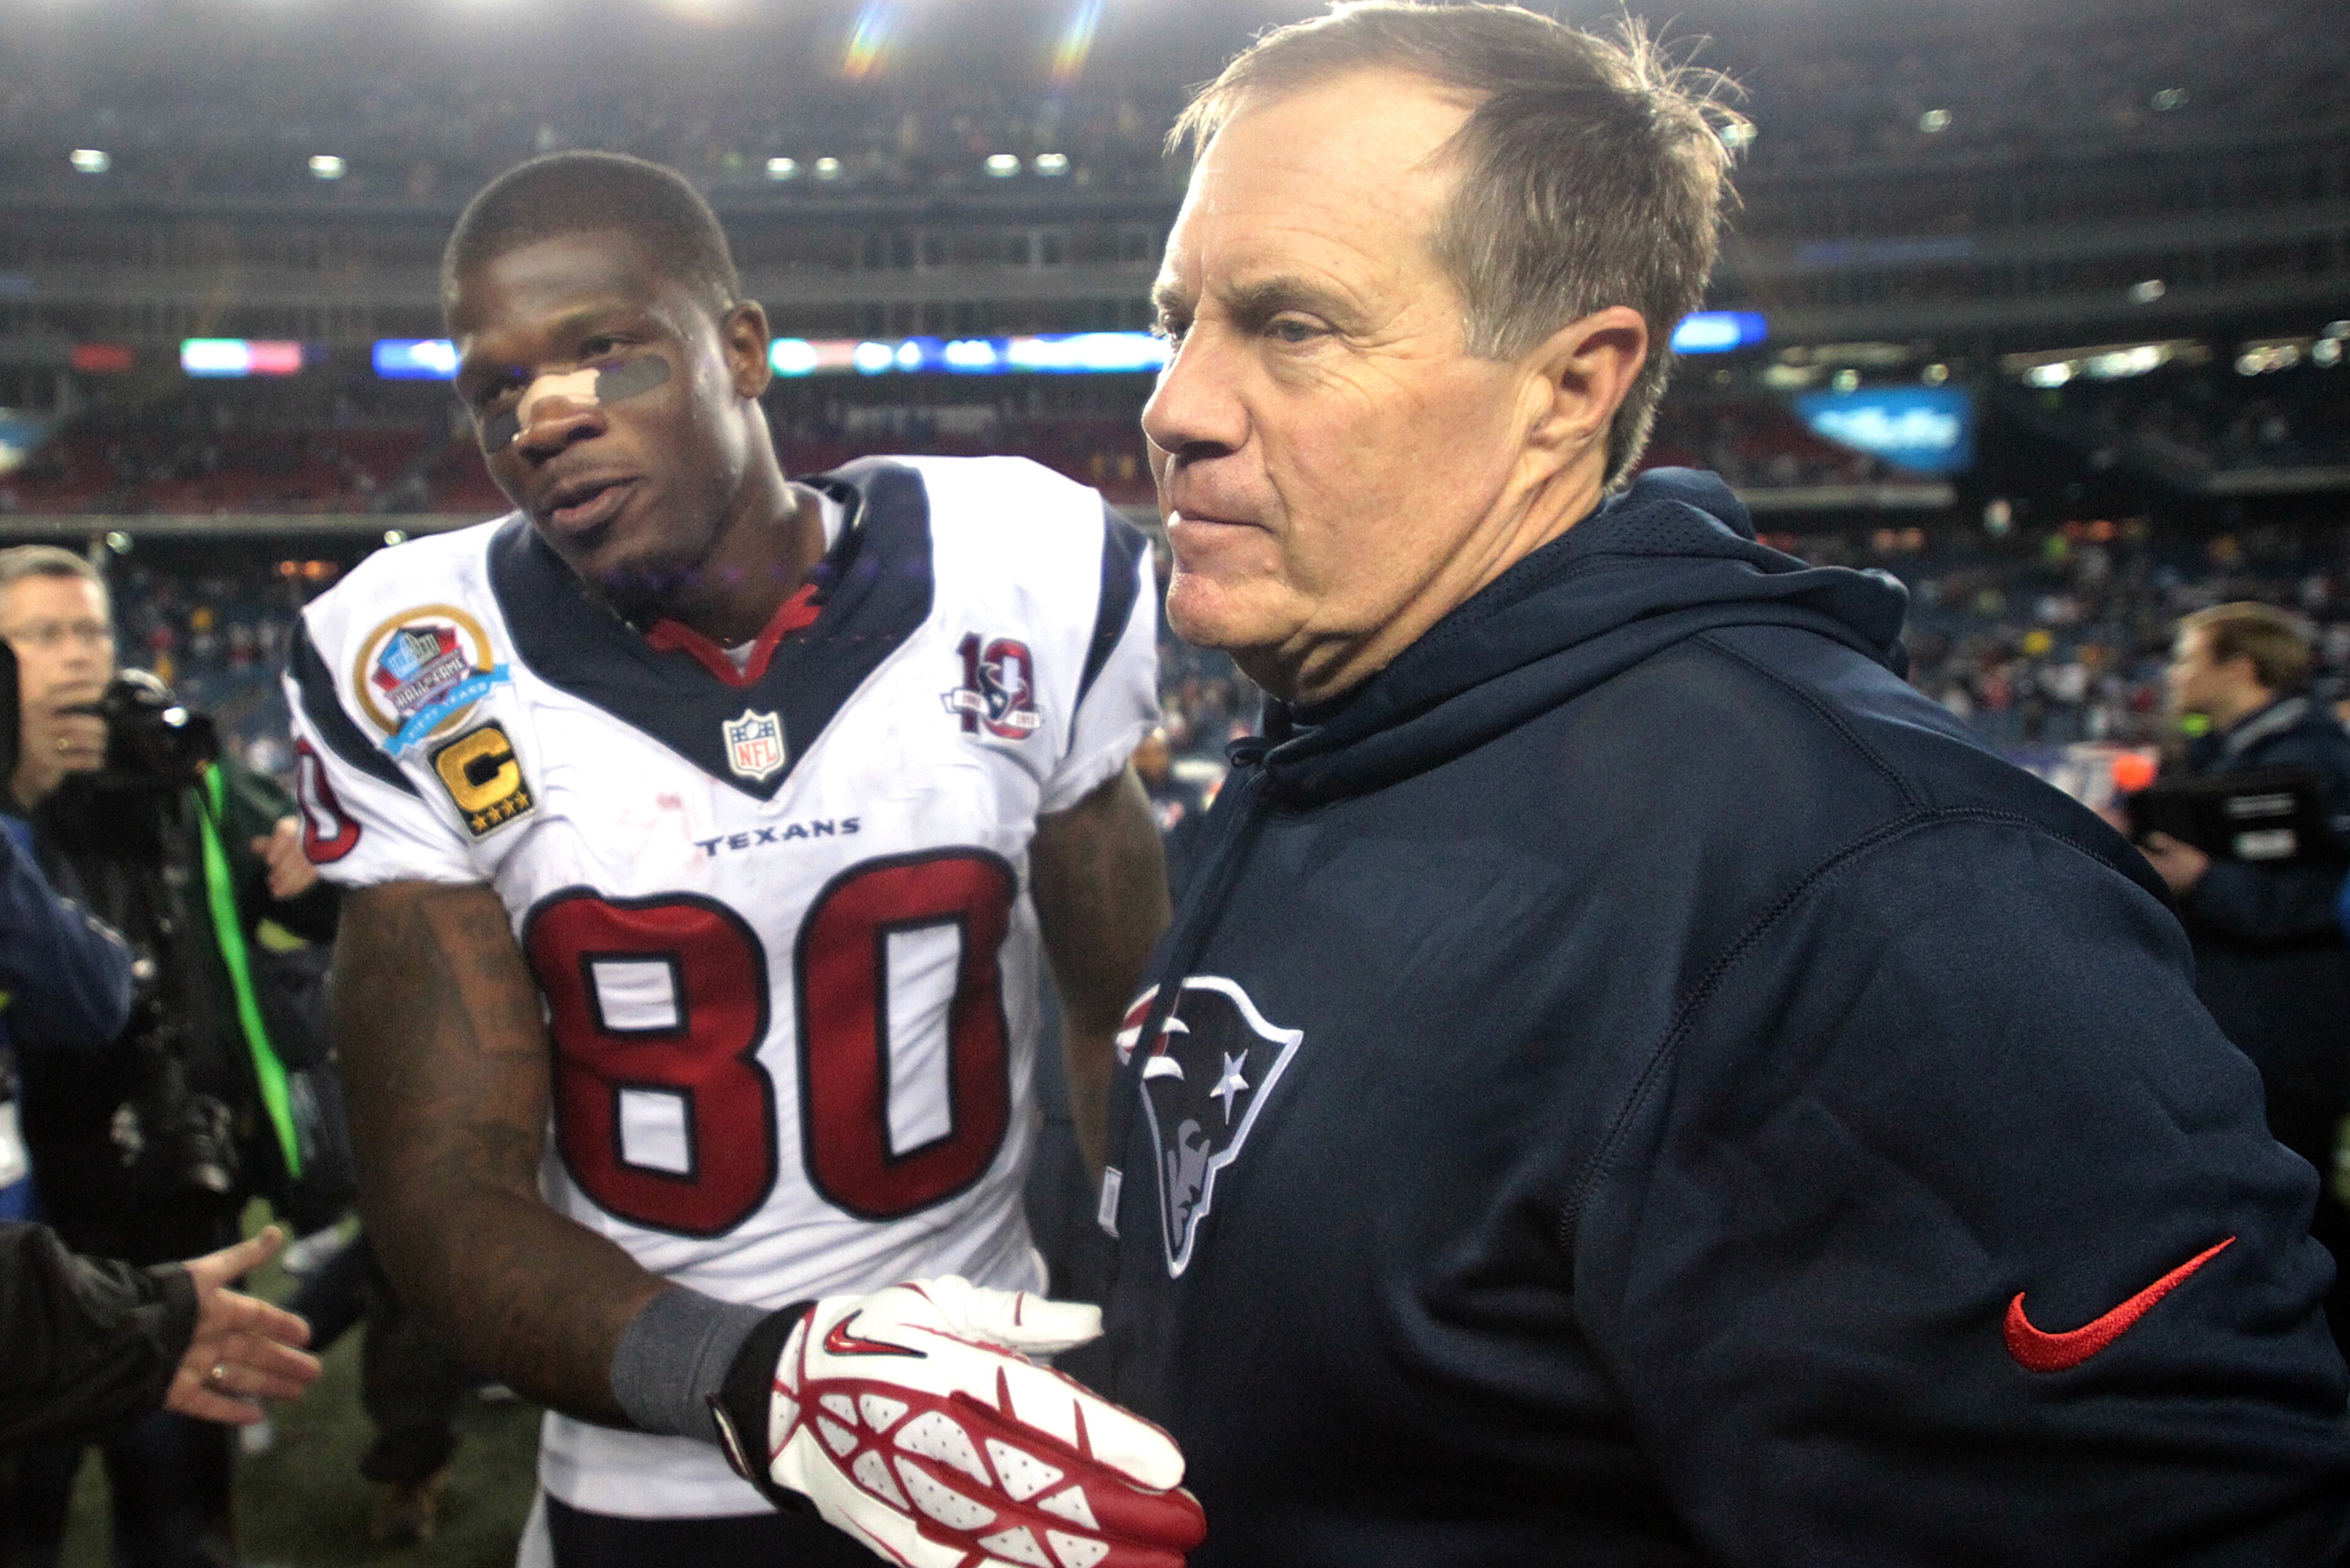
(151, 736)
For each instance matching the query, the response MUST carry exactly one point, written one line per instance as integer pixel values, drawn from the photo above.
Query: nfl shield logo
(755, 745)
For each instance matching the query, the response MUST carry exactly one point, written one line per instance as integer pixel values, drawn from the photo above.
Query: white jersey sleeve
(365, 820)
(1080, 580)
(1119, 702)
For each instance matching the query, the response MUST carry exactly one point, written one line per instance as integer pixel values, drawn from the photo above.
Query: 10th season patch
(998, 693)
(423, 672)
(484, 778)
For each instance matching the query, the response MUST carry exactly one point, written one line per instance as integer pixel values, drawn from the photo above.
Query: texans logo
(1203, 1080)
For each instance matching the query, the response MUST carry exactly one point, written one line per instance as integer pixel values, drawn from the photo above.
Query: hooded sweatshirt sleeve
(84, 1343)
(1906, 1267)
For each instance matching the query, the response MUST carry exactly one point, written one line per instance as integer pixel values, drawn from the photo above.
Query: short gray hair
(1592, 173)
(21, 561)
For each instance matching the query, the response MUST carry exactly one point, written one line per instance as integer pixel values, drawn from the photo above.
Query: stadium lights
(90, 161)
(828, 169)
(783, 168)
(2150, 291)
(2169, 98)
(1066, 353)
(102, 358)
(1002, 165)
(1934, 121)
(1052, 164)
(326, 166)
(415, 359)
(1719, 331)
(237, 357)
(2106, 362)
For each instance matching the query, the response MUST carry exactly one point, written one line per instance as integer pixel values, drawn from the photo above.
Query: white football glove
(913, 1422)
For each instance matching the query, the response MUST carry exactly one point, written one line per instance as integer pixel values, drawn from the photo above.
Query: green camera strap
(220, 888)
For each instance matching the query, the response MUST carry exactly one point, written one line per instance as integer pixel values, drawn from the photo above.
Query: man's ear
(743, 338)
(1578, 377)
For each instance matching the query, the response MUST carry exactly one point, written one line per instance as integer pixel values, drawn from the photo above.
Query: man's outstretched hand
(913, 1421)
(244, 1350)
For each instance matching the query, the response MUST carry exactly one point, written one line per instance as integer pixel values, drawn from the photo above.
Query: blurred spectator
(2269, 958)
(411, 1386)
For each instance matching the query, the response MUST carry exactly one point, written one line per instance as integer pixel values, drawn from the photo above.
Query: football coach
(1632, 1082)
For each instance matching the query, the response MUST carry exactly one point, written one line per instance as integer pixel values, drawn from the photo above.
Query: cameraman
(2270, 961)
(149, 1152)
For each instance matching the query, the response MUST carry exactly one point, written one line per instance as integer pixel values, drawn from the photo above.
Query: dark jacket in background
(66, 977)
(2270, 961)
(131, 851)
(84, 1343)
(1647, 1087)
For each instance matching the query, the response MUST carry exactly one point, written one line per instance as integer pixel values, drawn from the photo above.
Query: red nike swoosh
(840, 1342)
(2038, 1352)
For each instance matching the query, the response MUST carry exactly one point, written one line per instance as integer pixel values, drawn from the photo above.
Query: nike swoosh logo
(840, 1342)
(2037, 1351)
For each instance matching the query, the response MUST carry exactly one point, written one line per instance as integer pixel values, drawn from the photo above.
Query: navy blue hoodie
(1647, 1087)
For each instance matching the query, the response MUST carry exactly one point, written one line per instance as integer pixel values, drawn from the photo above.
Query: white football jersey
(777, 908)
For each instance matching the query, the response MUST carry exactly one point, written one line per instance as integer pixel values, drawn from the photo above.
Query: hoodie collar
(1673, 556)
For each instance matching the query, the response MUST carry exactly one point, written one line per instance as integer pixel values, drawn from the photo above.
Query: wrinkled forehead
(1350, 171)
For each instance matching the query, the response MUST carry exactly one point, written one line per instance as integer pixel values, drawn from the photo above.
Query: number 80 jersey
(776, 899)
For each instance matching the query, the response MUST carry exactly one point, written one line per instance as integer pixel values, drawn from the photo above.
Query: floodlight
(1934, 121)
(326, 166)
(2169, 98)
(1051, 164)
(90, 160)
(828, 169)
(1719, 331)
(2150, 291)
(783, 168)
(1003, 165)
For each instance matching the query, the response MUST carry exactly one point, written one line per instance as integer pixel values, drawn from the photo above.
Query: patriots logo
(1204, 1078)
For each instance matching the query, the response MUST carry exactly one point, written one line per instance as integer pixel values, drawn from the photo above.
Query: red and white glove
(912, 1420)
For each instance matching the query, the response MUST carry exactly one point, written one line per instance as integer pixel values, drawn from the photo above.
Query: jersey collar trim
(871, 591)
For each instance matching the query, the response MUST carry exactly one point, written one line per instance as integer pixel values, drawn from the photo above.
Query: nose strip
(584, 388)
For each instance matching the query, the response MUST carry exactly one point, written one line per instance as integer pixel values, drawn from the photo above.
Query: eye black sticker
(631, 377)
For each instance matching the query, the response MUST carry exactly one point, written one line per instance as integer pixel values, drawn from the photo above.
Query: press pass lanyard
(228, 928)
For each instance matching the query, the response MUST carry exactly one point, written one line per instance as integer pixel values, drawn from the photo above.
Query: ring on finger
(218, 1376)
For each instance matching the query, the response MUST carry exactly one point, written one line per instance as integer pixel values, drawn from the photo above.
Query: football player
(704, 829)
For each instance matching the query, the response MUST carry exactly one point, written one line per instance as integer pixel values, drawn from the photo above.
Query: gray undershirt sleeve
(674, 1354)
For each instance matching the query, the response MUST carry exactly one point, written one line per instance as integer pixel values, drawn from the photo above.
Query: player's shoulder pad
(437, 584)
(1055, 542)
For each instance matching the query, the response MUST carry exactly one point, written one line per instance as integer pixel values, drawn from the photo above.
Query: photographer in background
(2270, 961)
(149, 1150)
(61, 971)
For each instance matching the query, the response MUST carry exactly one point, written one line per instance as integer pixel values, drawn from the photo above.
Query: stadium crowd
(1828, 87)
